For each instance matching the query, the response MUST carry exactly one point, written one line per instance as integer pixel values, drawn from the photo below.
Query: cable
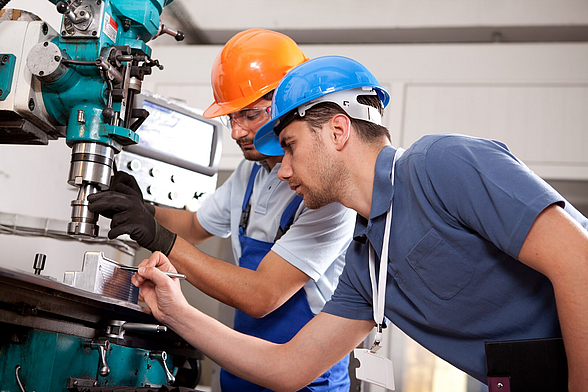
(18, 379)
(76, 62)
(23, 231)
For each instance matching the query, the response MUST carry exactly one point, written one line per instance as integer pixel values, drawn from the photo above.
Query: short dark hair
(367, 131)
(268, 96)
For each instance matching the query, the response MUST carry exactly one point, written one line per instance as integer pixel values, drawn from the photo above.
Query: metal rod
(172, 274)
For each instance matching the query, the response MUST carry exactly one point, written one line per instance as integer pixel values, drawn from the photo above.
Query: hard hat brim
(222, 109)
(266, 141)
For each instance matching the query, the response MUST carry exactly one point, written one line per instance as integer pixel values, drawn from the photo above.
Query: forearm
(557, 246)
(571, 295)
(241, 288)
(181, 222)
(256, 360)
(573, 319)
(316, 348)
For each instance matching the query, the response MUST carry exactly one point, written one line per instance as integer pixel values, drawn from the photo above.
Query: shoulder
(446, 151)
(243, 168)
(433, 145)
(333, 214)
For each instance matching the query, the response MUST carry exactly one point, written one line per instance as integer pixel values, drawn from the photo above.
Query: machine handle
(67, 10)
(102, 347)
(177, 34)
(161, 356)
(144, 327)
(116, 328)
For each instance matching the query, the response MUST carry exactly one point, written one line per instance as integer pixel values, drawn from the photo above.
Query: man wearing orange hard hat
(288, 256)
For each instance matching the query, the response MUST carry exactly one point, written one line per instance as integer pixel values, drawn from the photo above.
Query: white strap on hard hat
(347, 100)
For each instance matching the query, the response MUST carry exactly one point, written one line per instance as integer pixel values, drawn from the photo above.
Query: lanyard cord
(379, 292)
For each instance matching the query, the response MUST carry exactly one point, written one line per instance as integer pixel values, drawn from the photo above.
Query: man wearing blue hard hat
(478, 248)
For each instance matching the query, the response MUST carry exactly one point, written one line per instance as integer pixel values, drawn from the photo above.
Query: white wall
(531, 96)
(350, 21)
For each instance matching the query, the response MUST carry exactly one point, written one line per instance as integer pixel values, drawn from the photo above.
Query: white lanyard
(379, 290)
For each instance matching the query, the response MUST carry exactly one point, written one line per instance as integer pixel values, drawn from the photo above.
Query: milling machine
(80, 83)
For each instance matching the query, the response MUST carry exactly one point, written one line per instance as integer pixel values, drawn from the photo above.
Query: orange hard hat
(250, 65)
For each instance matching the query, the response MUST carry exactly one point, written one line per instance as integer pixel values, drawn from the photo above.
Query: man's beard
(251, 154)
(329, 180)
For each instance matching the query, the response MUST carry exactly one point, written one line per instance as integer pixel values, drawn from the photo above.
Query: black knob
(108, 113)
(62, 7)
(180, 36)
(39, 263)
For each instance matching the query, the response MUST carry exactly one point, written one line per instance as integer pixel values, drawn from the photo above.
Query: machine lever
(102, 347)
(144, 327)
(161, 356)
(177, 34)
(116, 328)
(67, 10)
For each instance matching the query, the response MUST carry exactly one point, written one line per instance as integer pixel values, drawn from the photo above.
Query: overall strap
(288, 217)
(246, 207)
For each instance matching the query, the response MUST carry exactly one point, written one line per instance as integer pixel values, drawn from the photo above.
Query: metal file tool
(171, 274)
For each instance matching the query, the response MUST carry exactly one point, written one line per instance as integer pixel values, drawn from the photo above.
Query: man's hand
(161, 293)
(125, 183)
(131, 216)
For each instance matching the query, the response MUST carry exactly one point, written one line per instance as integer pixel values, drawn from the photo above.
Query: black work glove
(131, 216)
(125, 183)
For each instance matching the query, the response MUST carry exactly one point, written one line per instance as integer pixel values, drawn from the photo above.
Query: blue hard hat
(310, 81)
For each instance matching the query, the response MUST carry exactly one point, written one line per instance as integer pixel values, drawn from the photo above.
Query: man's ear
(340, 130)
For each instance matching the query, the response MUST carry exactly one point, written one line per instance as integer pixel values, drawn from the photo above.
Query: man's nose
(237, 131)
(285, 171)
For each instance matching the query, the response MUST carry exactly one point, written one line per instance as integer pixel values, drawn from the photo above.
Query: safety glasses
(248, 118)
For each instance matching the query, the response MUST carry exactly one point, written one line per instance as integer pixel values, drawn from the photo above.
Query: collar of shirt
(382, 193)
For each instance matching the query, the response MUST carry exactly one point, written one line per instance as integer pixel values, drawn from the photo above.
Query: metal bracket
(75, 384)
(7, 66)
(498, 384)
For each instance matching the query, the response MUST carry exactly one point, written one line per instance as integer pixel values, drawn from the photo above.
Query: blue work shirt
(462, 209)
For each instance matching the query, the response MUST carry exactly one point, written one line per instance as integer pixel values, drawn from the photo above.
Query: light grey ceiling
(382, 21)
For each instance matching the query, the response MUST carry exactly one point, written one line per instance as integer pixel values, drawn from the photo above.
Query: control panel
(166, 184)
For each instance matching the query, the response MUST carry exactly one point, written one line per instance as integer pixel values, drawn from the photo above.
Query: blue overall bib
(283, 323)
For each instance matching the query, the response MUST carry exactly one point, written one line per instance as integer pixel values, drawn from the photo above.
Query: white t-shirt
(315, 243)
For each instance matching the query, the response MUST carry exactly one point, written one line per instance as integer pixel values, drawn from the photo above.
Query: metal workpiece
(101, 275)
